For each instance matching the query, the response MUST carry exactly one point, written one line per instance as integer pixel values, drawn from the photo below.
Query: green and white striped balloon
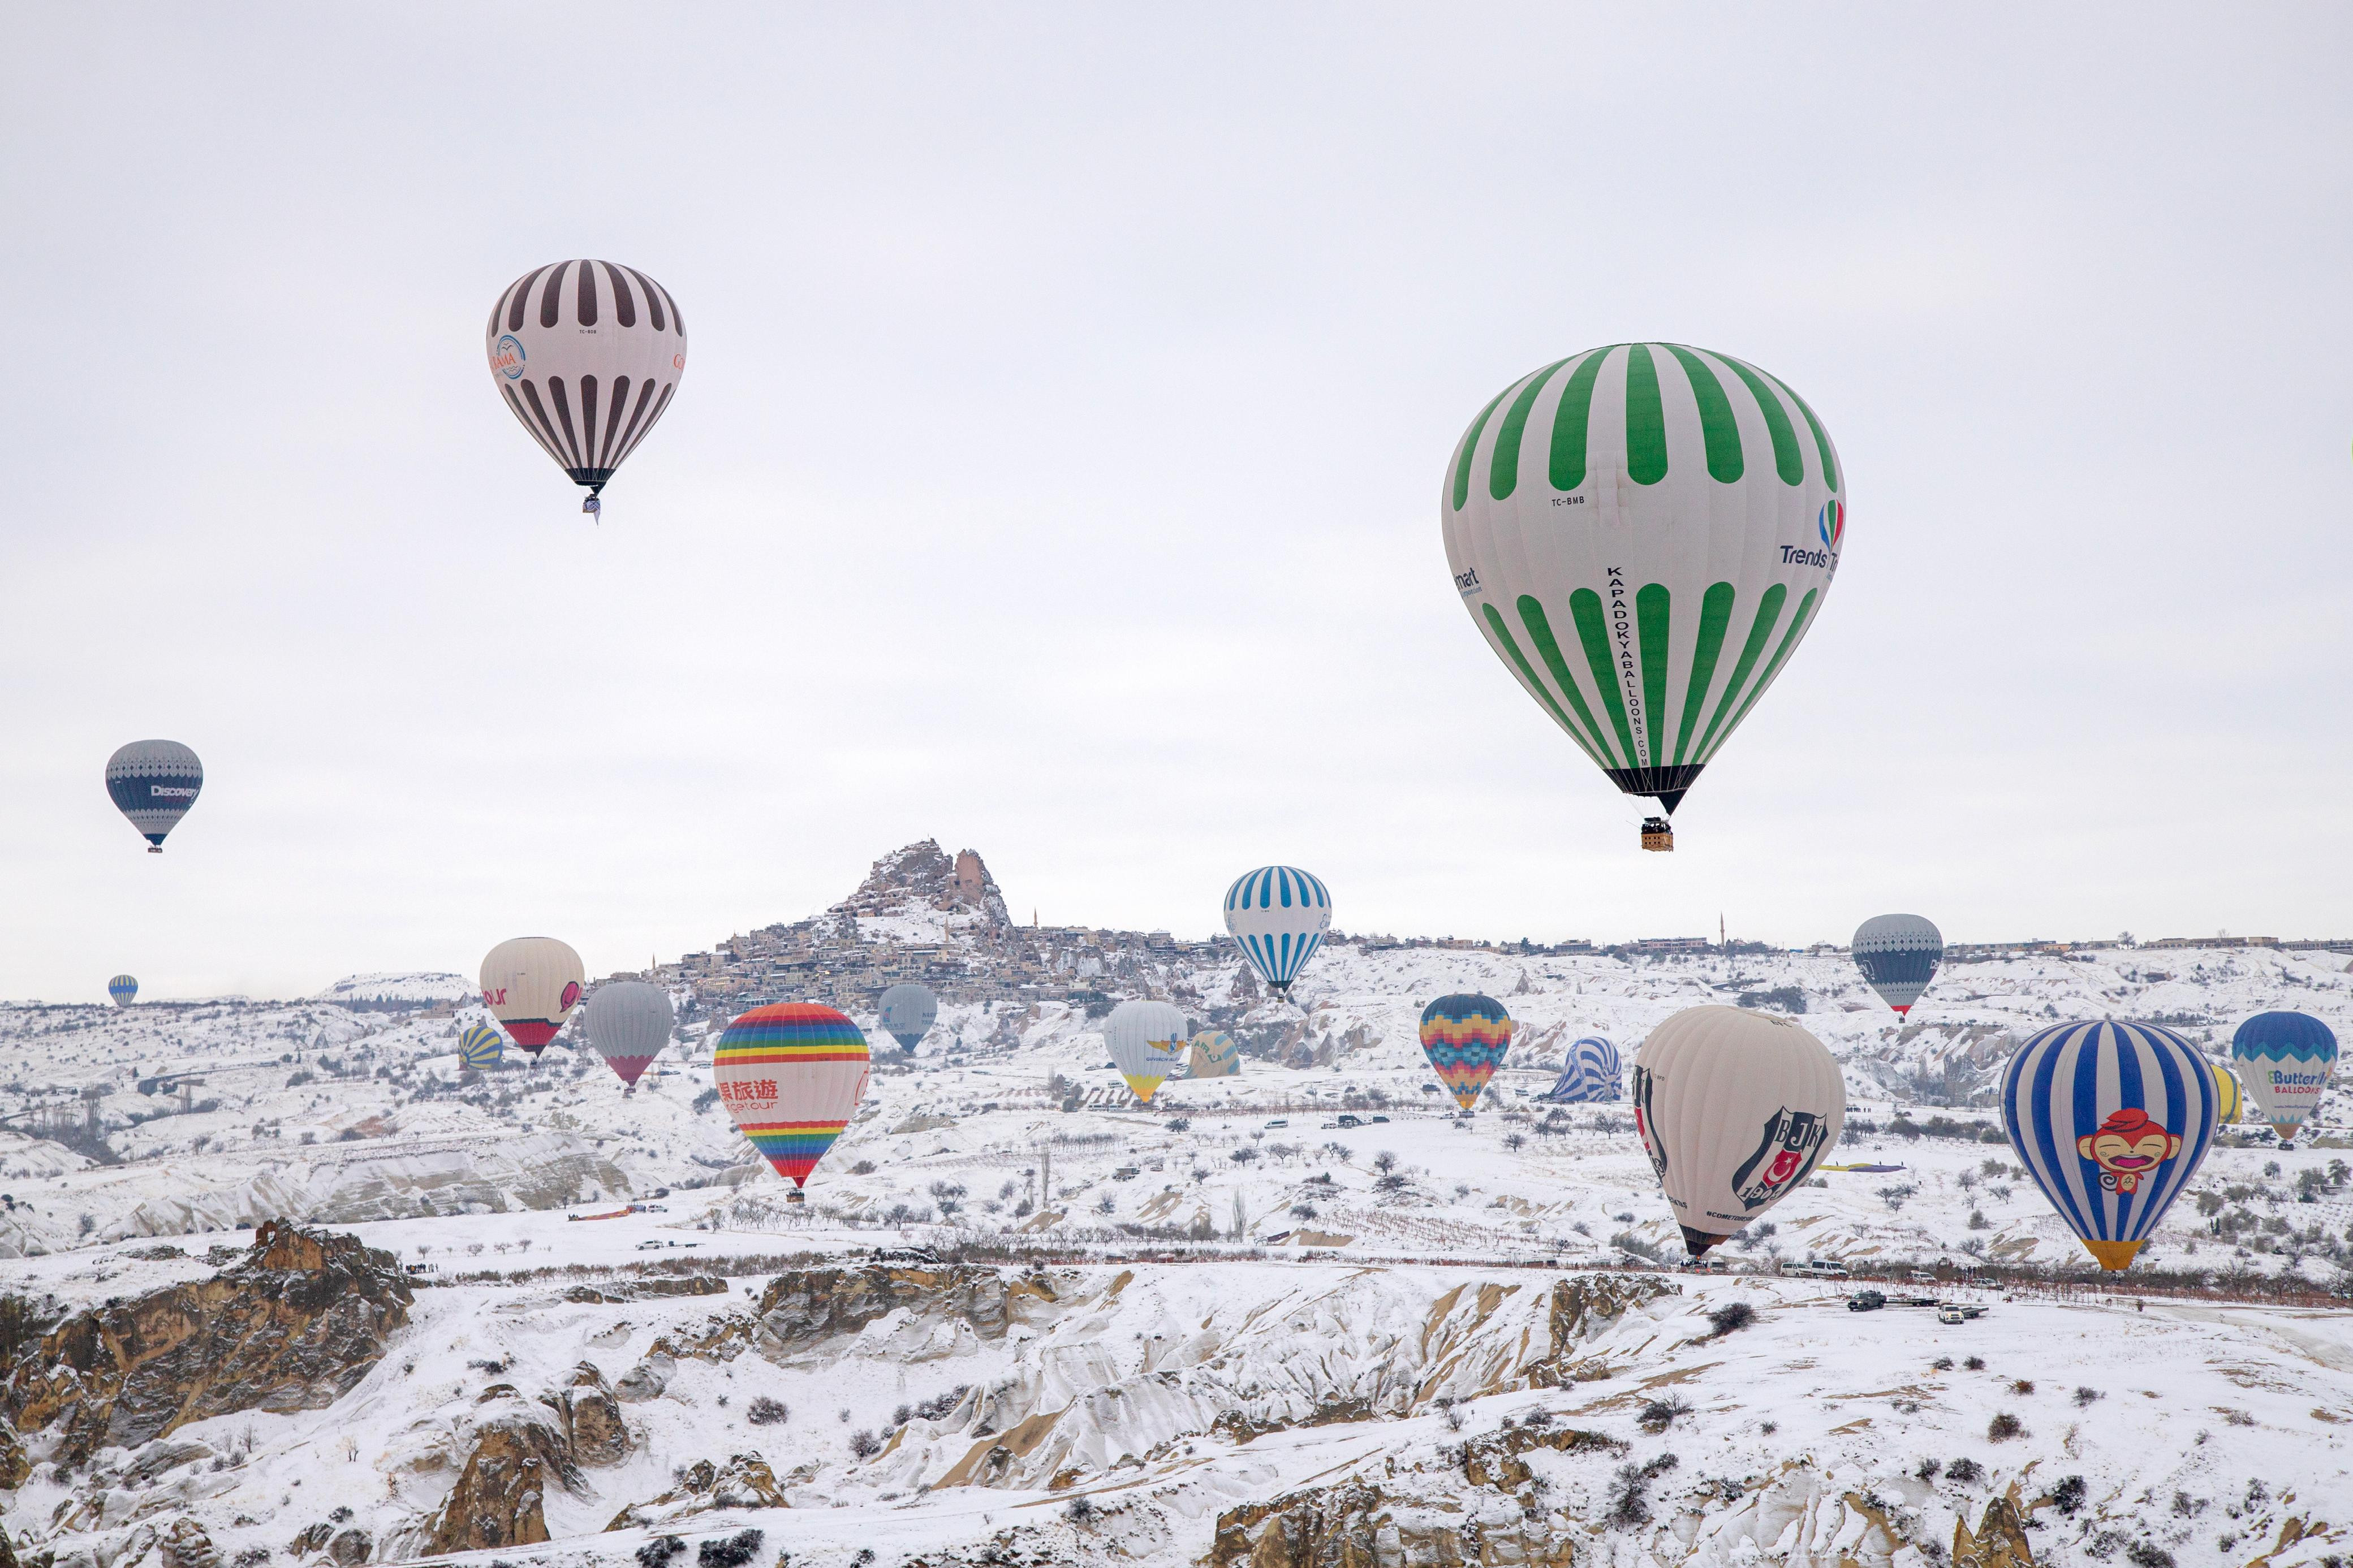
(1643, 533)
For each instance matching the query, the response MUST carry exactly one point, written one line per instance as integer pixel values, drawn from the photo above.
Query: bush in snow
(766, 1412)
(1081, 1510)
(2068, 1495)
(1965, 1471)
(657, 1552)
(864, 1444)
(2088, 1395)
(1730, 1317)
(732, 1553)
(2003, 1427)
(1660, 1413)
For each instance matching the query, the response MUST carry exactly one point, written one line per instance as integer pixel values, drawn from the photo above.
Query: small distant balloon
(1898, 955)
(1279, 914)
(628, 1022)
(153, 783)
(1214, 1054)
(481, 1046)
(908, 1012)
(124, 989)
(2284, 1059)
(1465, 1036)
(1591, 1076)
(530, 984)
(1147, 1041)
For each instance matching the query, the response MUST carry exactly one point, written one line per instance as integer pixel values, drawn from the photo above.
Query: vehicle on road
(1866, 1302)
(1951, 1315)
(1280, 1122)
(1352, 1122)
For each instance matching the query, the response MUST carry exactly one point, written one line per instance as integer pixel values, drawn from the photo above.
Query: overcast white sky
(1057, 471)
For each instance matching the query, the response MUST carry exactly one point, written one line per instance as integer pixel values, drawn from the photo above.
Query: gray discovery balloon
(908, 1014)
(153, 783)
(628, 1022)
(1898, 955)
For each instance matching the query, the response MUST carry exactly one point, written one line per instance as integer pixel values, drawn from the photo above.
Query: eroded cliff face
(294, 1325)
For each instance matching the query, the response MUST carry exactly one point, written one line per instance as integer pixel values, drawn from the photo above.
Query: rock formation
(590, 1415)
(500, 1498)
(813, 1304)
(1357, 1525)
(744, 1482)
(294, 1325)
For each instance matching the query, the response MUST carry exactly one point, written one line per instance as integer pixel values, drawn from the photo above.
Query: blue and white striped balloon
(1591, 1076)
(2111, 1119)
(1279, 914)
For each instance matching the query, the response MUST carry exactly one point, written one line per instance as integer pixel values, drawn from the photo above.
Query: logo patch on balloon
(1791, 1140)
(2127, 1147)
(1831, 522)
(507, 357)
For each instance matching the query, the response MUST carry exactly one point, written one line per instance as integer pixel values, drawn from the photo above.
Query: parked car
(1280, 1122)
(1347, 1121)
(1380, 1119)
(1951, 1315)
(1923, 1277)
(1866, 1302)
(1124, 1173)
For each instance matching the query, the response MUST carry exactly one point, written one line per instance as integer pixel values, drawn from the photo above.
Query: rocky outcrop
(294, 1325)
(1495, 1460)
(14, 1466)
(501, 1496)
(1585, 1306)
(744, 1482)
(2000, 1540)
(186, 1545)
(646, 1289)
(812, 1304)
(590, 1415)
(1357, 1525)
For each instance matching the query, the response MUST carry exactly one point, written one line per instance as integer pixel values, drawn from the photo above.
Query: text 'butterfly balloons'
(2285, 1061)
(1465, 1036)
(791, 1076)
(2111, 1120)
(1734, 1108)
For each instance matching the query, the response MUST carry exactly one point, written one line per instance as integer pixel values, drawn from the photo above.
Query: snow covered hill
(1285, 1272)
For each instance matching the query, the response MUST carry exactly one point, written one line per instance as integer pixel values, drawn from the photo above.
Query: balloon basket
(1658, 834)
(796, 1196)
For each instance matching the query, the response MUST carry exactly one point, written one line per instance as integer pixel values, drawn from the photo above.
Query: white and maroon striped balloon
(587, 354)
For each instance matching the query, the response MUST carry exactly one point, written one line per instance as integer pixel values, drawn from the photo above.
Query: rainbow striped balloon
(1465, 1036)
(791, 1076)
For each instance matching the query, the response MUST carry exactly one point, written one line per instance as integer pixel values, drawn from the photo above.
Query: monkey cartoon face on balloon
(2127, 1146)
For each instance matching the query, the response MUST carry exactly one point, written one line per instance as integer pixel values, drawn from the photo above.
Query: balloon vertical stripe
(1593, 636)
(1651, 607)
(1821, 438)
(1719, 430)
(1470, 447)
(1714, 616)
(1646, 418)
(1798, 624)
(1788, 459)
(1539, 625)
(1503, 472)
(1569, 425)
(1510, 645)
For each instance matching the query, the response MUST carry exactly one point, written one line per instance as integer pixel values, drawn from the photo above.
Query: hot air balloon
(481, 1046)
(1279, 914)
(1736, 1108)
(531, 984)
(908, 1012)
(1591, 1076)
(1643, 533)
(587, 354)
(153, 783)
(2284, 1059)
(2111, 1120)
(629, 1024)
(1898, 955)
(124, 989)
(791, 1076)
(1214, 1055)
(1465, 1035)
(1147, 1041)
(2229, 1103)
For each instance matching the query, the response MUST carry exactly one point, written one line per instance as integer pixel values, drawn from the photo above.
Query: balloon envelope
(153, 783)
(791, 1075)
(1898, 955)
(1147, 1041)
(1736, 1108)
(2111, 1120)
(1643, 533)
(530, 984)
(1215, 1053)
(2230, 1104)
(1591, 1076)
(908, 1012)
(586, 355)
(2285, 1061)
(124, 989)
(1465, 1036)
(1279, 914)
(629, 1024)
(481, 1046)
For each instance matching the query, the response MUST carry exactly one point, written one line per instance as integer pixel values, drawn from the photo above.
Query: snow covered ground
(1329, 1285)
